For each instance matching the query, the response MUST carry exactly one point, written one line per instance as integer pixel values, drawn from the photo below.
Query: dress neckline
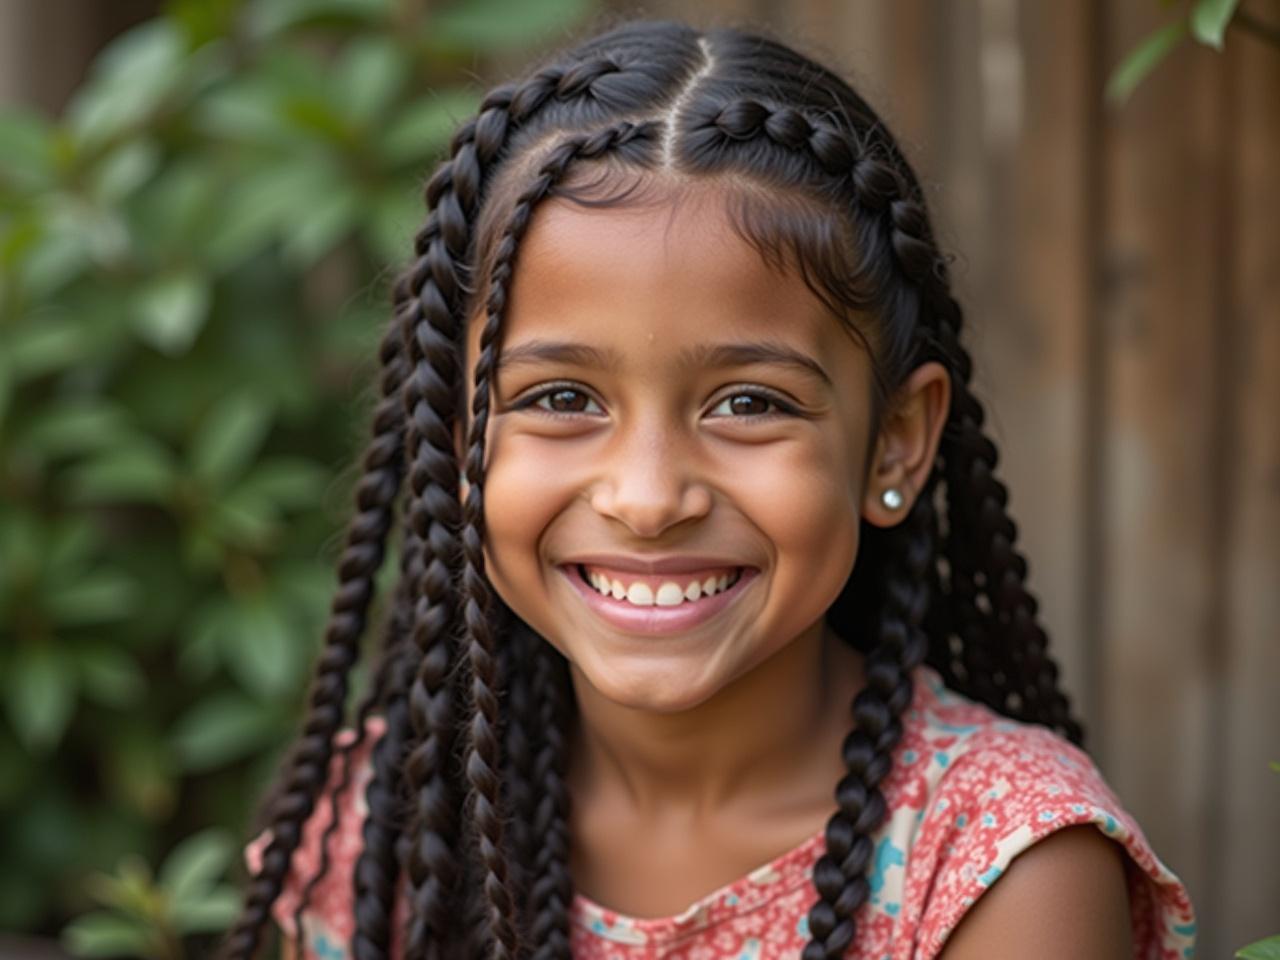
(749, 892)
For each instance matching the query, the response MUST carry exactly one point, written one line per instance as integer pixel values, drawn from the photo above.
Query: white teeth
(640, 594)
(670, 595)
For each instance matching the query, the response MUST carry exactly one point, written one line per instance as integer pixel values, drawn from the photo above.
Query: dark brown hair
(468, 801)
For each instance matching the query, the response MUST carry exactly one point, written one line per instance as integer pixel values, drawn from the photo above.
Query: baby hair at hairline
(468, 800)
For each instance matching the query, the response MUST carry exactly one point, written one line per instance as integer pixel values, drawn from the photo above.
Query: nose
(650, 482)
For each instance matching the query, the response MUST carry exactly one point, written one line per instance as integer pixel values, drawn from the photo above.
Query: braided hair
(469, 809)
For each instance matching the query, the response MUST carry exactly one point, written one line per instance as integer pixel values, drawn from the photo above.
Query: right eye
(561, 400)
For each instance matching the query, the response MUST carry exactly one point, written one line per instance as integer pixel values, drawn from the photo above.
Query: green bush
(193, 270)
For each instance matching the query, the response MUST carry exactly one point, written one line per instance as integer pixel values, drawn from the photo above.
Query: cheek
(522, 498)
(807, 504)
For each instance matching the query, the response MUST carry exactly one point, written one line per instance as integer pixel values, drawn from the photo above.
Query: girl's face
(671, 418)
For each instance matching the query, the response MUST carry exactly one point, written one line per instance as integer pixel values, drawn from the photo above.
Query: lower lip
(655, 620)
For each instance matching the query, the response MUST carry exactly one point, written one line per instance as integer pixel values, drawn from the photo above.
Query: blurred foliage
(194, 261)
(1204, 21)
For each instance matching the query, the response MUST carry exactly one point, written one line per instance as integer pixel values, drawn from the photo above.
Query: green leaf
(141, 471)
(266, 204)
(43, 346)
(123, 171)
(230, 437)
(103, 934)
(498, 25)
(322, 227)
(110, 676)
(244, 522)
(76, 425)
(423, 128)
(196, 864)
(94, 597)
(269, 17)
(70, 543)
(369, 73)
(1275, 766)
(204, 636)
(286, 482)
(264, 655)
(226, 727)
(128, 82)
(1268, 949)
(1209, 19)
(171, 311)
(213, 913)
(40, 698)
(1143, 59)
(58, 257)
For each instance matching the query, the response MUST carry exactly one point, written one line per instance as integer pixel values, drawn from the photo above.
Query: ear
(907, 443)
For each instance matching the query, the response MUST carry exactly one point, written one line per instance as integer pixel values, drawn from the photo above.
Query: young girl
(711, 638)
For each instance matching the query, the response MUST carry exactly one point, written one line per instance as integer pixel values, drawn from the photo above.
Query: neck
(769, 741)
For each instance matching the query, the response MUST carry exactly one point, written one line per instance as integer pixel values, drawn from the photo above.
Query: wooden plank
(1246, 903)
(1038, 274)
(1159, 312)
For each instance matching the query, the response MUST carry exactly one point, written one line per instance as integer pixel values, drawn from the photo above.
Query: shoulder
(1062, 898)
(998, 804)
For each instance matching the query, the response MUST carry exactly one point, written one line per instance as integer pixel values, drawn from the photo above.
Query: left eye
(746, 404)
(564, 400)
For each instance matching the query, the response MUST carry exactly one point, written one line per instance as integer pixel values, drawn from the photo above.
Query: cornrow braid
(307, 769)
(482, 758)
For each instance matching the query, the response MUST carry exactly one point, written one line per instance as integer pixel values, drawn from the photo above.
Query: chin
(651, 691)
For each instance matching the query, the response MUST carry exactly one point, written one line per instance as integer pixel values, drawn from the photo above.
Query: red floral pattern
(969, 791)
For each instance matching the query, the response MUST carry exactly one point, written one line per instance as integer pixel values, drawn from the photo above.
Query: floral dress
(969, 790)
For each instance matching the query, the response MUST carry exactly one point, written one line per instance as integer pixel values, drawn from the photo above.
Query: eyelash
(530, 402)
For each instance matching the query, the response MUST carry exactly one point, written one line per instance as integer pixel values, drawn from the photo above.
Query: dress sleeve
(1016, 788)
(329, 916)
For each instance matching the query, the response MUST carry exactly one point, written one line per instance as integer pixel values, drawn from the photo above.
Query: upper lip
(685, 563)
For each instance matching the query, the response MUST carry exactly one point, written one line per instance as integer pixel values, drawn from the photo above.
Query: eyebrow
(709, 355)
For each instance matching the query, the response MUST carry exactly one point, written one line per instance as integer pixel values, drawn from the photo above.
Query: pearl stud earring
(891, 498)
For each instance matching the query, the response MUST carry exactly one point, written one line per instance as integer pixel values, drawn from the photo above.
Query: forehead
(666, 269)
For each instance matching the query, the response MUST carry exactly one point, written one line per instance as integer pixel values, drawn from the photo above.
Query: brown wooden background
(1121, 274)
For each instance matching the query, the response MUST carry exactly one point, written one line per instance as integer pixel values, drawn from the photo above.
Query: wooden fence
(1120, 271)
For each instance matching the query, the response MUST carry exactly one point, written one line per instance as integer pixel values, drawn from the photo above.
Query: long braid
(518, 729)
(377, 869)
(307, 768)
(435, 289)
(840, 874)
(551, 891)
(483, 764)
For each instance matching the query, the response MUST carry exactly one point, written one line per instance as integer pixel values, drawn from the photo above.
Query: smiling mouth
(674, 591)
